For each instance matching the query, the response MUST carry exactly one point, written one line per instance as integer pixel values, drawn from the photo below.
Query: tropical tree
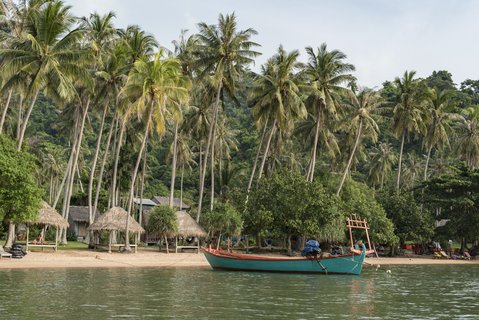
(438, 122)
(223, 53)
(361, 123)
(158, 89)
(19, 194)
(380, 165)
(48, 50)
(408, 112)
(276, 97)
(467, 143)
(163, 221)
(326, 74)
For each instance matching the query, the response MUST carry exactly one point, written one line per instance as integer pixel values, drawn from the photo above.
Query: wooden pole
(28, 231)
(176, 244)
(56, 239)
(109, 242)
(136, 243)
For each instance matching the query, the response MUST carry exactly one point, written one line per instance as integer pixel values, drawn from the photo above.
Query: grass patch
(73, 245)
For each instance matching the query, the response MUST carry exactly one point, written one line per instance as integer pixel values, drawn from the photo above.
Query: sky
(382, 38)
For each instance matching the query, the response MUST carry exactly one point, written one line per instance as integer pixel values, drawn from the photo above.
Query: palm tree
(325, 74)
(382, 160)
(135, 45)
(158, 88)
(362, 123)
(467, 143)
(100, 34)
(49, 51)
(438, 126)
(184, 51)
(276, 96)
(223, 53)
(412, 170)
(408, 112)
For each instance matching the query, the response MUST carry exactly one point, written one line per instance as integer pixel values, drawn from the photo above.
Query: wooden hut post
(56, 238)
(136, 243)
(109, 241)
(28, 231)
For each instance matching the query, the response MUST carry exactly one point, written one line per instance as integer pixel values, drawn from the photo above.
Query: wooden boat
(351, 263)
(340, 264)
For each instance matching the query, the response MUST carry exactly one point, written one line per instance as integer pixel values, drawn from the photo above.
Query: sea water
(408, 292)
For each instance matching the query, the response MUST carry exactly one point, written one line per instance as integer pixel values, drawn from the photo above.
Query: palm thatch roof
(188, 227)
(49, 216)
(81, 214)
(115, 219)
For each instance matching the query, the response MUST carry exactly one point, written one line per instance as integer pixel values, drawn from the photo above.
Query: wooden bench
(188, 247)
(42, 245)
(114, 245)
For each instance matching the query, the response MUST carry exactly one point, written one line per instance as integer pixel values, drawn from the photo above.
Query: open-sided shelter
(47, 216)
(188, 228)
(115, 220)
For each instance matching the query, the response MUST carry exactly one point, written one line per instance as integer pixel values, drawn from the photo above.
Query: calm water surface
(409, 292)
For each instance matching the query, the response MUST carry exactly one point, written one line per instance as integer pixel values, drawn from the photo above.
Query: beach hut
(115, 220)
(177, 203)
(188, 228)
(79, 220)
(47, 216)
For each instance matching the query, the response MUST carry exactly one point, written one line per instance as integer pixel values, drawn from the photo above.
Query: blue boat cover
(311, 248)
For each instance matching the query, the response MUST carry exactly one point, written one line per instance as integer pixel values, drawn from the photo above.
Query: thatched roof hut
(115, 219)
(188, 227)
(49, 216)
(81, 214)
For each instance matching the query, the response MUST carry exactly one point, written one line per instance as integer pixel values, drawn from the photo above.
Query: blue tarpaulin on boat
(311, 248)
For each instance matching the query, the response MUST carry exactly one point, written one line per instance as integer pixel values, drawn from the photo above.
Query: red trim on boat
(239, 256)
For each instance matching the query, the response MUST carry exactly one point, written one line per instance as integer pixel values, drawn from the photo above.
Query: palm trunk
(251, 178)
(142, 188)
(62, 185)
(266, 150)
(173, 166)
(208, 144)
(181, 186)
(93, 166)
(19, 116)
(315, 145)
(114, 199)
(427, 162)
(25, 120)
(398, 182)
(133, 179)
(351, 156)
(103, 163)
(5, 110)
(74, 166)
(212, 198)
(220, 169)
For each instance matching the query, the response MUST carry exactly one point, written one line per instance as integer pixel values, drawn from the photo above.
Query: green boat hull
(343, 264)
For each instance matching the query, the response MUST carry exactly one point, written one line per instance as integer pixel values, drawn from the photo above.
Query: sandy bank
(92, 259)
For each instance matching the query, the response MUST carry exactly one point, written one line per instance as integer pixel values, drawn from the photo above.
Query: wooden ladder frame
(354, 222)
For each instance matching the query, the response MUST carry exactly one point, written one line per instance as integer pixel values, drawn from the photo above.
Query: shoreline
(155, 259)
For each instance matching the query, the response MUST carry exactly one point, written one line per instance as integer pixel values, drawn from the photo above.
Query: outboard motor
(311, 249)
(17, 251)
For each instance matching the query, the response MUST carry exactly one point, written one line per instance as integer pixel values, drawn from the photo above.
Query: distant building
(79, 220)
(177, 204)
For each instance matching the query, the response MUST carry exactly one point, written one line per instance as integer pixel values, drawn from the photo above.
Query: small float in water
(351, 263)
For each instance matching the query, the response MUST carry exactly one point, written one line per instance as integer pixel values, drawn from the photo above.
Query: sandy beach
(144, 258)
